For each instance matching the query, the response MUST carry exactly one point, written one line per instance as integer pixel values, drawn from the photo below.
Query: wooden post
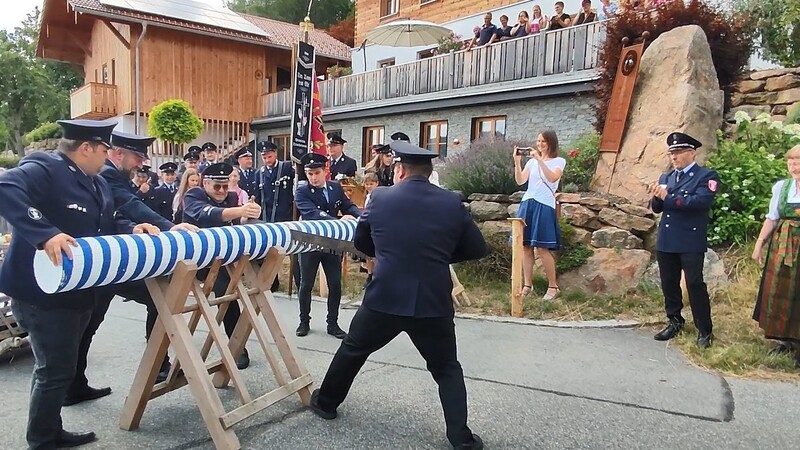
(517, 226)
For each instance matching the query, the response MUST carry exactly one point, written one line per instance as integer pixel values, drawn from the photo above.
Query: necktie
(325, 193)
(678, 175)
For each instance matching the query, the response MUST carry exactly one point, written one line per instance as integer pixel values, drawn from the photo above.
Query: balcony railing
(94, 101)
(549, 53)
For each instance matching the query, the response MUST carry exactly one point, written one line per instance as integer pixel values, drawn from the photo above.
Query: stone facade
(773, 91)
(569, 116)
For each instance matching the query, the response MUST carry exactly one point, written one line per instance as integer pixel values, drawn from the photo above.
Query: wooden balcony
(94, 101)
(557, 52)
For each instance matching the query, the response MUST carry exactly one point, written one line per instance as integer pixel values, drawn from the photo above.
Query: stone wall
(47, 144)
(773, 91)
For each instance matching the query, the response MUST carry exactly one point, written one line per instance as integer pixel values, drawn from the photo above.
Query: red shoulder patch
(713, 185)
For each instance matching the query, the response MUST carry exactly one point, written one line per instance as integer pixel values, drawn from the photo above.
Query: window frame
(477, 121)
(384, 63)
(424, 136)
(366, 143)
(386, 8)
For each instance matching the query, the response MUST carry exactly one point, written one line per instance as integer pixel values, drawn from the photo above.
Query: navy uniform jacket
(684, 223)
(202, 211)
(312, 205)
(267, 188)
(249, 181)
(47, 195)
(127, 203)
(345, 165)
(415, 230)
(162, 201)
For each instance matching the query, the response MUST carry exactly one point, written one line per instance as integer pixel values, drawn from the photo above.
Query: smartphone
(523, 151)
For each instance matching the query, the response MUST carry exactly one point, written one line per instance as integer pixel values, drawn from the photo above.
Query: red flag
(317, 131)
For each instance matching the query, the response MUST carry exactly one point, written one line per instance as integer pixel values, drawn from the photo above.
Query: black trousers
(137, 291)
(670, 266)
(332, 265)
(55, 336)
(294, 260)
(434, 338)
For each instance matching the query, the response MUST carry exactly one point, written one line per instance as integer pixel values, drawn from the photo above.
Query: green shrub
(572, 254)
(748, 163)
(174, 121)
(44, 131)
(793, 114)
(581, 155)
(486, 167)
(9, 162)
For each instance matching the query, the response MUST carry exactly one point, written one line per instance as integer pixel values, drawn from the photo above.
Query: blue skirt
(541, 225)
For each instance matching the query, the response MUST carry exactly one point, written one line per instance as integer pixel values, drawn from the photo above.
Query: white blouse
(794, 197)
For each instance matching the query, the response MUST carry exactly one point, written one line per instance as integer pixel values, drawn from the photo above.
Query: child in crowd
(370, 183)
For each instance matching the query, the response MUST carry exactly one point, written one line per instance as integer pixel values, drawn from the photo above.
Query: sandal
(549, 296)
(526, 290)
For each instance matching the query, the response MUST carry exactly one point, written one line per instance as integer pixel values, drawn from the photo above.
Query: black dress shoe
(163, 372)
(781, 349)
(670, 331)
(86, 394)
(704, 340)
(66, 439)
(302, 329)
(327, 415)
(476, 444)
(336, 332)
(243, 362)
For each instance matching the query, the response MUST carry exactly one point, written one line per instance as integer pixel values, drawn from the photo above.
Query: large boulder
(483, 211)
(516, 197)
(609, 271)
(677, 90)
(494, 228)
(500, 198)
(626, 221)
(613, 237)
(714, 275)
(580, 215)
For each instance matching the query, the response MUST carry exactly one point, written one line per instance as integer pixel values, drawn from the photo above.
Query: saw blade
(313, 242)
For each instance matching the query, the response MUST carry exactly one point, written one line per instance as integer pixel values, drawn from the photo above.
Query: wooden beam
(86, 49)
(63, 56)
(119, 35)
(270, 398)
(52, 29)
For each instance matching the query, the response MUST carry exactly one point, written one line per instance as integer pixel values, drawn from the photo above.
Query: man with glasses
(191, 160)
(211, 205)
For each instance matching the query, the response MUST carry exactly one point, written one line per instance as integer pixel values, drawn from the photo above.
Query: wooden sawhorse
(250, 286)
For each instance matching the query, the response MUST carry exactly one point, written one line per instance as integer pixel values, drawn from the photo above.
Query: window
(389, 7)
(372, 136)
(489, 127)
(104, 73)
(385, 63)
(426, 53)
(282, 141)
(433, 136)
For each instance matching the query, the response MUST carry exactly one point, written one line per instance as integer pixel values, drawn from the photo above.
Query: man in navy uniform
(321, 200)
(211, 155)
(50, 200)
(190, 161)
(127, 155)
(211, 205)
(341, 164)
(248, 176)
(166, 192)
(685, 196)
(414, 230)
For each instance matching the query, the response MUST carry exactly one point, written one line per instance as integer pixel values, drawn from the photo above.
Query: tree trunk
(15, 131)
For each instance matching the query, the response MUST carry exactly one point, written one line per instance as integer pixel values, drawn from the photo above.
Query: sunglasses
(219, 187)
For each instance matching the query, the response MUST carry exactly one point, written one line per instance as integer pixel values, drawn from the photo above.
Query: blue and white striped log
(104, 260)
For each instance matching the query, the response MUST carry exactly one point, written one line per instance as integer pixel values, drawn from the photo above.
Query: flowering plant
(449, 43)
(337, 71)
(581, 162)
(748, 164)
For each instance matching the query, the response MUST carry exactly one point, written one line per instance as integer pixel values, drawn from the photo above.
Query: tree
(344, 31)
(174, 121)
(324, 13)
(778, 26)
(32, 91)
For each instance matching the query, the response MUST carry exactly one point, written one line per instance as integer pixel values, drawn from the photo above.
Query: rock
(496, 227)
(779, 110)
(595, 203)
(500, 198)
(568, 198)
(582, 236)
(626, 221)
(788, 96)
(748, 86)
(752, 110)
(783, 82)
(516, 197)
(650, 240)
(760, 98)
(736, 99)
(613, 237)
(578, 215)
(689, 100)
(778, 118)
(609, 271)
(483, 211)
(513, 209)
(772, 73)
(636, 210)
(714, 275)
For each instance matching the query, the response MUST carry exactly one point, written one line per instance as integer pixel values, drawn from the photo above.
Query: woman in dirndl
(778, 303)
(542, 234)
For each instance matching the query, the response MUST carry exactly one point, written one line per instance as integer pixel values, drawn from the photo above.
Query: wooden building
(136, 54)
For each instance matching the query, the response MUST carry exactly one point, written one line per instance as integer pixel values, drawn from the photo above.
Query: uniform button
(667, 225)
(694, 229)
(667, 215)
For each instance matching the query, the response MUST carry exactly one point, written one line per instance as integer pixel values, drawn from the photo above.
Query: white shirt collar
(689, 167)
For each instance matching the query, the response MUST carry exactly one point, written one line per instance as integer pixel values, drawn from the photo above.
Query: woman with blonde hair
(538, 21)
(233, 186)
(189, 179)
(383, 166)
(778, 302)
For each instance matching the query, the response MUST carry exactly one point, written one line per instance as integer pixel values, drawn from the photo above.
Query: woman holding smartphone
(542, 233)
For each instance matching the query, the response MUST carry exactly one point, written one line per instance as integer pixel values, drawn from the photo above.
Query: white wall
(463, 26)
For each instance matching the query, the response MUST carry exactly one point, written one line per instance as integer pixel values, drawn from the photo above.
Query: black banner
(301, 102)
